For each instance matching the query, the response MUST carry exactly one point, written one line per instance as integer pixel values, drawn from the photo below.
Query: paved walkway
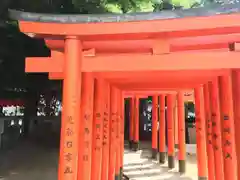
(37, 162)
(139, 166)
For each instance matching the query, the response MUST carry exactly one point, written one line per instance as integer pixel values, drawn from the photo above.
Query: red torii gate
(146, 60)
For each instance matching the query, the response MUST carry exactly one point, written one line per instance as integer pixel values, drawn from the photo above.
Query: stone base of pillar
(154, 153)
(121, 173)
(162, 157)
(130, 144)
(136, 146)
(202, 178)
(117, 177)
(182, 166)
(171, 162)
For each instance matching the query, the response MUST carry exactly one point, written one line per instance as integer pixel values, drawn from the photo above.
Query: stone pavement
(30, 161)
(139, 166)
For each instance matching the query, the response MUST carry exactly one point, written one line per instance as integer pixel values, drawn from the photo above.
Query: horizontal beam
(160, 80)
(149, 93)
(192, 26)
(148, 75)
(169, 86)
(144, 46)
(142, 62)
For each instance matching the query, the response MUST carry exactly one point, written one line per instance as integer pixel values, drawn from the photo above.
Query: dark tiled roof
(228, 7)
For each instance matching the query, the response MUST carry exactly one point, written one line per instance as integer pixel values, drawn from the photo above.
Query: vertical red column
(122, 109)
(170, 129)
(154, 126)
(236, 101)
(97, 139)
(131, 123)
(85, 155)
(106, 130)
(181, 133)
(216, 129)
(210, 154)
(136, 125)
(228, 133)
(113, 120)
(162, 129)
(118, 143)
(69, 146)
(201, 133)
(175, 111)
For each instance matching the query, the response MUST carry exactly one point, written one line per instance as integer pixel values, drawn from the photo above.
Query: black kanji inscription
(98, 137)
(69, 132)
(69, 144)
(68, 170)
(105, 119)
(104, 137)
(105, 126)
(97, 148)
(86, 131)
(68, 157)
(87, 117)
(85, 157)
(228, 156)
(70, 120)
(226, 117)
(215, 136)
(98, 115)
(214, 124)
(98, 126)
(227, 143)
(227, 130)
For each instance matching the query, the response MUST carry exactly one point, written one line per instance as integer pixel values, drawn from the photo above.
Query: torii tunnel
(103, 59)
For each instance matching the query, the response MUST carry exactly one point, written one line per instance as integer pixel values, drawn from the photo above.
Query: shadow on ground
(29, 161)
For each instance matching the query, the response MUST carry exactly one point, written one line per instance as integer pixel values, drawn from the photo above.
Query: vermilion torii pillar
(106, 132)
(113, 131)
(136, 125)
(162, 129)
(170, 131)
(181, 133)
(154, 126)
(118, 136)
(228, 132)
(131, 123)
(216, 128)
(201, 133)
(69, 145)
(84, 166)
(236, 101)
(210, 154)
(98, 118)
(122, 112)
